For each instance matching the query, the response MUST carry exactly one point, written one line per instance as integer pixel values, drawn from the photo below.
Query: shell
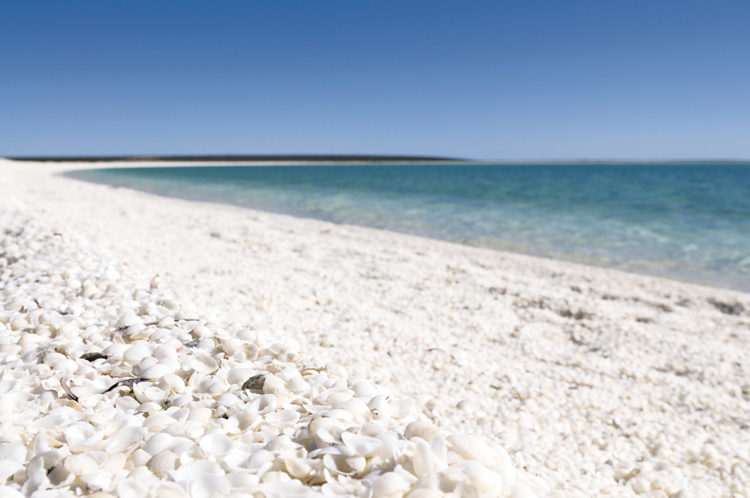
(424, 461)
(127, 319)
(297, 385)
(420, 429)
(297, 467)
(244, 419)
(210, 486)
(145, 392)
(124, 440)
(282, 418)
(259, 459)
(238, 375)
(136, 353)
(8, 468)
(130, 488)
(162, 463)
(81, 464)
(203, 363)
(362, 445)
(13, 451)
(158, 443)
(243, 482)
(98, 480)
(155, 372)
(472, 448)
(388, 484)
(167, 489)
(8, 492)
(188, 471)
(380, 408)
(216, 443)
(82, 436)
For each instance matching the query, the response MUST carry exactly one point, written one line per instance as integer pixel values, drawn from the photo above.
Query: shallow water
(690, 222)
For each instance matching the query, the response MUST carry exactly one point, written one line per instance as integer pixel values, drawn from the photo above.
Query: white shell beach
(267, 355)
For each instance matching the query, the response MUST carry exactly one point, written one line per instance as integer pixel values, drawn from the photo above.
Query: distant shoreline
(348, 159)
(236, 158)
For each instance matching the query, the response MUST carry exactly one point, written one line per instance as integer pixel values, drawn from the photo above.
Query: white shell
(123, 440)
(210, 486)
(420, 429)
(80, 436)
(362, 445)
(81, 464)
(259, 459)
(145, 392)
(239, 375)
(13, 451)
(127, 319)
(158, 443)
(162, 463)
(297, 385)
(388, 484)
(155, 372)
(8, 468)
(472, 448)
(297, 467)
(282, 418)
(203, 363)
(424, 461)
(136, 353)
(8, 492)
(130, 488)
(215, 443)
(188, 471)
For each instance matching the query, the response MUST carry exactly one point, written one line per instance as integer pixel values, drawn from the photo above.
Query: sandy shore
(592, 379)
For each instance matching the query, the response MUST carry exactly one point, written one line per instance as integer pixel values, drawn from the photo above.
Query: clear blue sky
(505, 80)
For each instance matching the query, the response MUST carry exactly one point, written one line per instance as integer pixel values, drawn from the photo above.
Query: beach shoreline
(592, 379)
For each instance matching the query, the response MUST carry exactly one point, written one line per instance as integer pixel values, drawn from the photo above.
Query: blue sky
(490, 80)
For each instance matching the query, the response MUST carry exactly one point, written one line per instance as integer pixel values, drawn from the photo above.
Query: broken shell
(162, 463)
(167, 489)
(80, 464)
(297, 467)
(362, 445)
(203, 363)
(127, 319)
(158, 443)
(388, 484)
(215, 443)
(130, 488)
(188, 471)
(210, 486)
(424, 461)
(7, 469)
(145, 392)
(124, 440)
(420, 429)
(472, 448)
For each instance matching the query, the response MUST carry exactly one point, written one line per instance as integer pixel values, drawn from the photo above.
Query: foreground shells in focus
(108, 387)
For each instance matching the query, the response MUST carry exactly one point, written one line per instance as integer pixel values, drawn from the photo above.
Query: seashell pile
(113, 389)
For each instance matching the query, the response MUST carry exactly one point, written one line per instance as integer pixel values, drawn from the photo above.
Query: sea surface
(685, 221)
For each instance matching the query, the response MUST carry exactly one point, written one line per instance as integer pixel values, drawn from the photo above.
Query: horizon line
(351, 158)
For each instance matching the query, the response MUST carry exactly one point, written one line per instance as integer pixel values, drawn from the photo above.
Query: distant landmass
(360, 158)
(235, 158)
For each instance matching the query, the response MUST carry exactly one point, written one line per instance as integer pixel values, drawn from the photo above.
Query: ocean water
(690, 222)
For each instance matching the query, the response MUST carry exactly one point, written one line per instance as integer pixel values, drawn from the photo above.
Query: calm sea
(690, 222)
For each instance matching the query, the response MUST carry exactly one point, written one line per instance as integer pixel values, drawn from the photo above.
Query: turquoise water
(690, 222)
